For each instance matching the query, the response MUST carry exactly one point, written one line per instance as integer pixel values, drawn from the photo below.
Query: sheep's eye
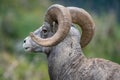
(44, 31)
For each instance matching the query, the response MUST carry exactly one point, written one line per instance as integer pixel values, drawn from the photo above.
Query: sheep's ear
(54, 27)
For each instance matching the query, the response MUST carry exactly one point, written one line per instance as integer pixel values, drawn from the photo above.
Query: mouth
(28, 49)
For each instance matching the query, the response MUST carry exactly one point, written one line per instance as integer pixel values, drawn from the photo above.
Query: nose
(24, 41)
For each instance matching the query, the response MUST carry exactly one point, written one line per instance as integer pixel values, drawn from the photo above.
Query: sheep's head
(56, 14)
(58, 20)
(45, 31)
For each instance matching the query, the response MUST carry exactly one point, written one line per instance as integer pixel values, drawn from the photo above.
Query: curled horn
(84, 20)
(61, 15)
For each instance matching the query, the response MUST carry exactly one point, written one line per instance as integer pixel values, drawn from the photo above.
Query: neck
(62, 55)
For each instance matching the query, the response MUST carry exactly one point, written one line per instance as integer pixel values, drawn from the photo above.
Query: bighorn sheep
(61, 42)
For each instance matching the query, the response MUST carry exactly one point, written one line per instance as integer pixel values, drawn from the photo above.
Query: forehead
(44, 26)
(37, 30)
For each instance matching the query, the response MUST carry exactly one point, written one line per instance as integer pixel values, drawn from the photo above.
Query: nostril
(24, 41)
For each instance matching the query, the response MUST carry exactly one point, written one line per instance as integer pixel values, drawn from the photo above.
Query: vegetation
(19, 17)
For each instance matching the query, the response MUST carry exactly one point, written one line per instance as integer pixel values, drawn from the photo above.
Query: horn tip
(31, 34)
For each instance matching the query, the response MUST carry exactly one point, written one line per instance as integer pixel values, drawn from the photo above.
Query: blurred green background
(19, 17)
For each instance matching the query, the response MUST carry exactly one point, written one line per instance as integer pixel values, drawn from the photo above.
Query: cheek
(47, 50)
(33, 44)
(28, 43)
(36, 48)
